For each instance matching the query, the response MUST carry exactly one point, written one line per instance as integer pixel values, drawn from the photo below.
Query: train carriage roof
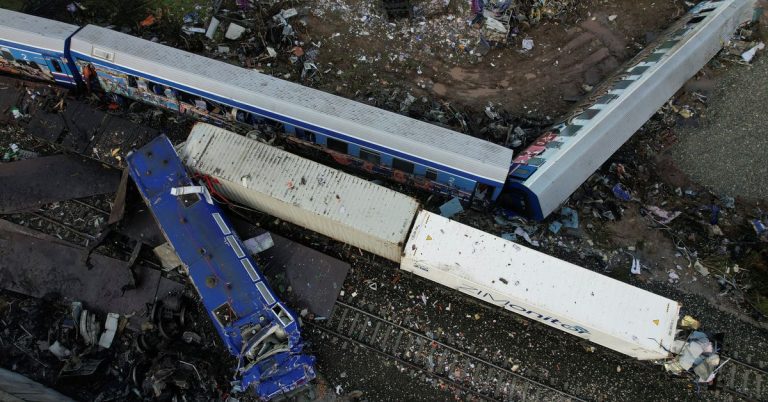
(389, 130)
(34, 31)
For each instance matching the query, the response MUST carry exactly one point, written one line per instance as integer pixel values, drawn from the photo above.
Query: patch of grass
(175, 10)
(15, 5)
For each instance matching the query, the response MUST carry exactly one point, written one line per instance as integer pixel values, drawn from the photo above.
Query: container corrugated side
(298, 190)
(543, 288)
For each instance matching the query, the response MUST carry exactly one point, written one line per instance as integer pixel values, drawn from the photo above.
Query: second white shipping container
(543, 288)
(298, 190)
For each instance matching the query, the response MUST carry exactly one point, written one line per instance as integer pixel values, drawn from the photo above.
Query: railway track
(471, 374)
(744, 380)
(78, 221)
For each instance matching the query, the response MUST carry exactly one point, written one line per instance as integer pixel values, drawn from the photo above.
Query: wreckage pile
(171, 355)
(697, 354)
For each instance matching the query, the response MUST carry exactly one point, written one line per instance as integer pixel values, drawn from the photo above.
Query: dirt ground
(568, 56)
(435, 59)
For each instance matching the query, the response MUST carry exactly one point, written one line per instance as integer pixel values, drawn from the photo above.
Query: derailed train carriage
(256, 328)
(442, 161)
(539, 287)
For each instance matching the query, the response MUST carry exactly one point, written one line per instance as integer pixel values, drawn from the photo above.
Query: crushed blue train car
(257, 329)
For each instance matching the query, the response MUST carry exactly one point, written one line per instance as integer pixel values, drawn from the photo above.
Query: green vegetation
(15, 5)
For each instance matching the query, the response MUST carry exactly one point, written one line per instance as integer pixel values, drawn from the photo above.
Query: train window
(306, 135)
(588, 114)
(265, 293)
(623, 84)
(668, 44)
(370, 156)
(132, 81)
(336, 145)
(235, 246)
(402, 165)
(654, 57)
(56, 65)
(431, 174)
(158, 89)
(282, 315)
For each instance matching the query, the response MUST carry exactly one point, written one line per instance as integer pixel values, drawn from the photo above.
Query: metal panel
(584, 152)
(34, 31)
(322, 199)
(543, 288)
(31, 183)
(34, 264)
(299, 105)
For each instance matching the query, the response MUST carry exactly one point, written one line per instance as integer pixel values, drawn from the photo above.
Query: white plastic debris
(291, 12)
(185, 190)
(673, 277)
(522, 233)
(612, 17)
(59, 351)
(110, 329)
(177, 191)
(89, 328)
(496, 25)
(527, 44)
(700, 268)
(750, 54)
(234, 31)
(212, 28)
(167, 256)
(259, 243)
(192, 30)
(636, 267)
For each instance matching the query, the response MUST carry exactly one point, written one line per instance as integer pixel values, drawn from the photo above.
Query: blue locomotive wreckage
(257, 329)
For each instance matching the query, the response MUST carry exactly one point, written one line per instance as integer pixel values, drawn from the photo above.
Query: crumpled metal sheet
(36, 264)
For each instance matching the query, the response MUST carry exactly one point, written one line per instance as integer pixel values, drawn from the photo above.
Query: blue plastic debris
(191, 18)
(570, 218)
(509, 236)
(622, 192)
(715, 214)
(451, 208)
(759, 227)
(555, 226)
(729, 202)
(501, 220)
(255, 327)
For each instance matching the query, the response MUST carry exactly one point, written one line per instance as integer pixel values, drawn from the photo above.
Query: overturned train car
(256, 328)
(423, 155)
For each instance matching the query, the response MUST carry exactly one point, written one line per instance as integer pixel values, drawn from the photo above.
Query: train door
(59, 70)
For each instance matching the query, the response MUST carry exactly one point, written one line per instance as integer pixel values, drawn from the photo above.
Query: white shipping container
(303, 192)
(543, 288)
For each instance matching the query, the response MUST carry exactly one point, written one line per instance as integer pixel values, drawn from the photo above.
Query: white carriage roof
(367, 123)
(34, 31)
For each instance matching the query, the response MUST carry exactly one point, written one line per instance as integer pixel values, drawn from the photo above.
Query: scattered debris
(451, 208)
(750, 54)
(234, 31)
